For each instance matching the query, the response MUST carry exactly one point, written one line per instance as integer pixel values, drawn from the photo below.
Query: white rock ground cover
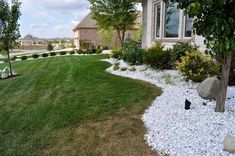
(175, 131)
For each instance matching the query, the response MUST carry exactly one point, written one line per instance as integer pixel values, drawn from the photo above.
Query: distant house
(86, 32)
(29, 40)
(167, 24)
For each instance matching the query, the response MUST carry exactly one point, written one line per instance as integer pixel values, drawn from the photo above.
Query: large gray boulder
(229, 144)
(209, 88)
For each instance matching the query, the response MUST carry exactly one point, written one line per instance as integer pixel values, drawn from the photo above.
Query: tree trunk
(119, 36)
(123, 35)
(9, 61)
(220, 101)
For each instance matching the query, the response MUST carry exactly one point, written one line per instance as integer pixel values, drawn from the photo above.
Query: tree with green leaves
(215, 21)
(117, 14)
(9, 31)
(107, 36)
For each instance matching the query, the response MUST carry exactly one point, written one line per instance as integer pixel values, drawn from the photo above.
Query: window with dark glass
(171, 28)
(188, 26)
(157, 20)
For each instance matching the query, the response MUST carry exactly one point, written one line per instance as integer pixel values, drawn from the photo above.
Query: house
(167, 24)
(29, 40)
(86, 33)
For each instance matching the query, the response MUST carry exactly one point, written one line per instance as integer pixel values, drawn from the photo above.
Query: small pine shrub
(44, 55)
(63, 53)
(35, 56)
(72, 52)
(132, 53)
(180, 50)
(123, 68)
(158, 58)
(197, 67)
(24, 57)
(116, 67)
(50, 47)
(52, 54)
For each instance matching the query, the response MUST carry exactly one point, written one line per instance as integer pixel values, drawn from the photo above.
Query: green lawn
(61, 106)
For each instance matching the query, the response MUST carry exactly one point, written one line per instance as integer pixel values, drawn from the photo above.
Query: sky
(51, 18)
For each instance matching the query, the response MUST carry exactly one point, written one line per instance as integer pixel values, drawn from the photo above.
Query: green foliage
(50, 47)
(116, 67)
(158, 58)
(13, 58)
(63, 53)
(52, 54)
(119, 15)
(107, 36)
(197, 67)
(117, 53)
(80, 51)
(131, 52)
(44, 55)
(24, 58)
(35, 56)
(72, 52)
(180, 50)
(99, 51)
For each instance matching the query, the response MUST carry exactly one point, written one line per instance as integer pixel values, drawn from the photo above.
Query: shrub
(35, 56)
(14, 58)
(123, 68)
(50, 47)
(88, 52)
(93, 51)
(79, 51)
(158, 58)
(72, 52)
(116, 67)
(197, 67)
(63, 53)
(44, 55)
(180, 50)
(24, 57)
(99, 51)
(117, 53)
(5, 60)
(132, 53)
(52, 54)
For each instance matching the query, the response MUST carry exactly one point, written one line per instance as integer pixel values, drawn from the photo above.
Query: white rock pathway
(173, 130)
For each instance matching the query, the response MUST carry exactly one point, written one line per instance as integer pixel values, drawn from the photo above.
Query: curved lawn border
(173, 130)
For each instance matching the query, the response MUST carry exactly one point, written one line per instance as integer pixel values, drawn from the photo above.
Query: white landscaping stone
(229, 144)
(171, 129)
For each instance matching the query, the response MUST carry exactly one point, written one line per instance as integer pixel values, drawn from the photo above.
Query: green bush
(99, 51)
(180, 50)
(50, 47)
(5, 60)
(35, 56)
(72, 52)
(79, 51)
(13, 58)
(52, 54)
(132, 53)
(117, 53)
(116, 67)
(197, 67)
(63, 53)
(44, 55)
(158, 58)
(24, 57)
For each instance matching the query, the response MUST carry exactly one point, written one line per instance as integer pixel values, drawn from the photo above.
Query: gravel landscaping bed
(175, 131)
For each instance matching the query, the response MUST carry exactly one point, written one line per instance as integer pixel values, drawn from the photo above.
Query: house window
(188, 26)
(171, 27)
(157, 20)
